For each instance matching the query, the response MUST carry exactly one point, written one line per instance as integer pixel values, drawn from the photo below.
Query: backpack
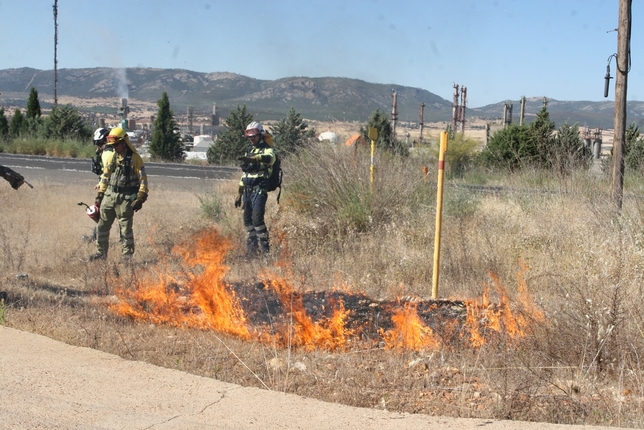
(275, 180)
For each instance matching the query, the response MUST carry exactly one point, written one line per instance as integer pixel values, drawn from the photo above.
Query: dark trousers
(254, 204)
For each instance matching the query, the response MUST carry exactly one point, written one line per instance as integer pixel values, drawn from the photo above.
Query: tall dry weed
(580, 365)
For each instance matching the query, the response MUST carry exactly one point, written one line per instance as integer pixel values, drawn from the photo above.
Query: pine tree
(568, 151)
(166, 142)
(634, 149)
(542, 138)
(291, 133)
(17, 124)
(231, 143)
(33, 105)
(386, 137)
(65, 123)
(33, 119)
(4, 125)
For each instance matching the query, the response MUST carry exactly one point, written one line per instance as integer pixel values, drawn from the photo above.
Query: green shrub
(333, 186)
(508, 149)
(53, 147)
(460, 156)
(211, 206)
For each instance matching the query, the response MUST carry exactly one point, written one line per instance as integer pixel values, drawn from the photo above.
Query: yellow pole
(373, 167)
(439, 212)
(373, 135)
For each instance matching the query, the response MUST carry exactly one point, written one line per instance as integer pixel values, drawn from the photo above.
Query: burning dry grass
(541, 318)
(273, 312)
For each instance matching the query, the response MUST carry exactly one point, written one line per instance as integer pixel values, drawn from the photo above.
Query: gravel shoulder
(52, 385)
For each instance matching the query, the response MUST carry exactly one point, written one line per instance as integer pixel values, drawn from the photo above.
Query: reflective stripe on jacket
(254, 177)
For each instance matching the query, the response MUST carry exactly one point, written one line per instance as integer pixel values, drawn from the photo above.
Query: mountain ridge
(321, 99)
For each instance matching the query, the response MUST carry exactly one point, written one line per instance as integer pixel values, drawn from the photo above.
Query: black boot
(264, 245)
(97, 256)
(251, 244)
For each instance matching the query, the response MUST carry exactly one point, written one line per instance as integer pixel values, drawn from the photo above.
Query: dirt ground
(52, 385)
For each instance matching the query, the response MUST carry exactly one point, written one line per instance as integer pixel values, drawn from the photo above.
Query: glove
(245, 159)
(99, 199)
(137, 204)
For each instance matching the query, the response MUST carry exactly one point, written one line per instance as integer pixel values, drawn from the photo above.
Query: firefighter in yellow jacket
(122, 190)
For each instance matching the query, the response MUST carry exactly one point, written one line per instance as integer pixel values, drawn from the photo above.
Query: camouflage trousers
(115, 206)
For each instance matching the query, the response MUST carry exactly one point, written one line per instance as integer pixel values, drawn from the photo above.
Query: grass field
(539, 316)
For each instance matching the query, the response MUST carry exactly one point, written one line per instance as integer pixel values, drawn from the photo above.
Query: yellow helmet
(117, 134)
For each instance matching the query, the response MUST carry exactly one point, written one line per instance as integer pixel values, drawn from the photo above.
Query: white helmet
(100, 134)
(253, 129)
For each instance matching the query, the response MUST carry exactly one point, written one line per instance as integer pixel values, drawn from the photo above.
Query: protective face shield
(254, 129)
(116, 135)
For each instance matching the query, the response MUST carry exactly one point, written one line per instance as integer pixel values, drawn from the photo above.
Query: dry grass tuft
(579, 365)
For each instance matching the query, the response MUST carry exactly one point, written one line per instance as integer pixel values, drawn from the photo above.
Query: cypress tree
(231, 143)
(541, 133)
(166, 142)
(386, 137)
(4, 125)
(17, 124)
(291, 133)
(33, 105)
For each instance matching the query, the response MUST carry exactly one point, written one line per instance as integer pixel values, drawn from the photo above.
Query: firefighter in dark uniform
(122, 190)
(257, 165)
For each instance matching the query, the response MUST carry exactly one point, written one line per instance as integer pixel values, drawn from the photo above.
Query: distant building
(200, 147)
(328, 135)
(202, 143)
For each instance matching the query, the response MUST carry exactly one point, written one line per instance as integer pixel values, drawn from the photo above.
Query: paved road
(175, 170)
(51, 385)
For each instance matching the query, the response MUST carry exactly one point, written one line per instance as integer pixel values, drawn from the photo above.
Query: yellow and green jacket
(256, 172)
(123, 173)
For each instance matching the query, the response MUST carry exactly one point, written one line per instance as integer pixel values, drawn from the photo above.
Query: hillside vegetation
(320, 99)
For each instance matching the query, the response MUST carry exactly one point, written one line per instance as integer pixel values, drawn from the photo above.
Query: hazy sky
(499, 49)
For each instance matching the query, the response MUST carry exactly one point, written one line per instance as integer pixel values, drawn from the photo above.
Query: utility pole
(623, 61)
(394, 111)
(421, 121)
(507, 114)
(461, 115)
(190, 117)
(55, 52)
(455, 108)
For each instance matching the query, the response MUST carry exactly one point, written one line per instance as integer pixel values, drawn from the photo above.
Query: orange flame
(329, 333)
(499, 317)
(196, 295)
(206, 301)
(409, 331)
